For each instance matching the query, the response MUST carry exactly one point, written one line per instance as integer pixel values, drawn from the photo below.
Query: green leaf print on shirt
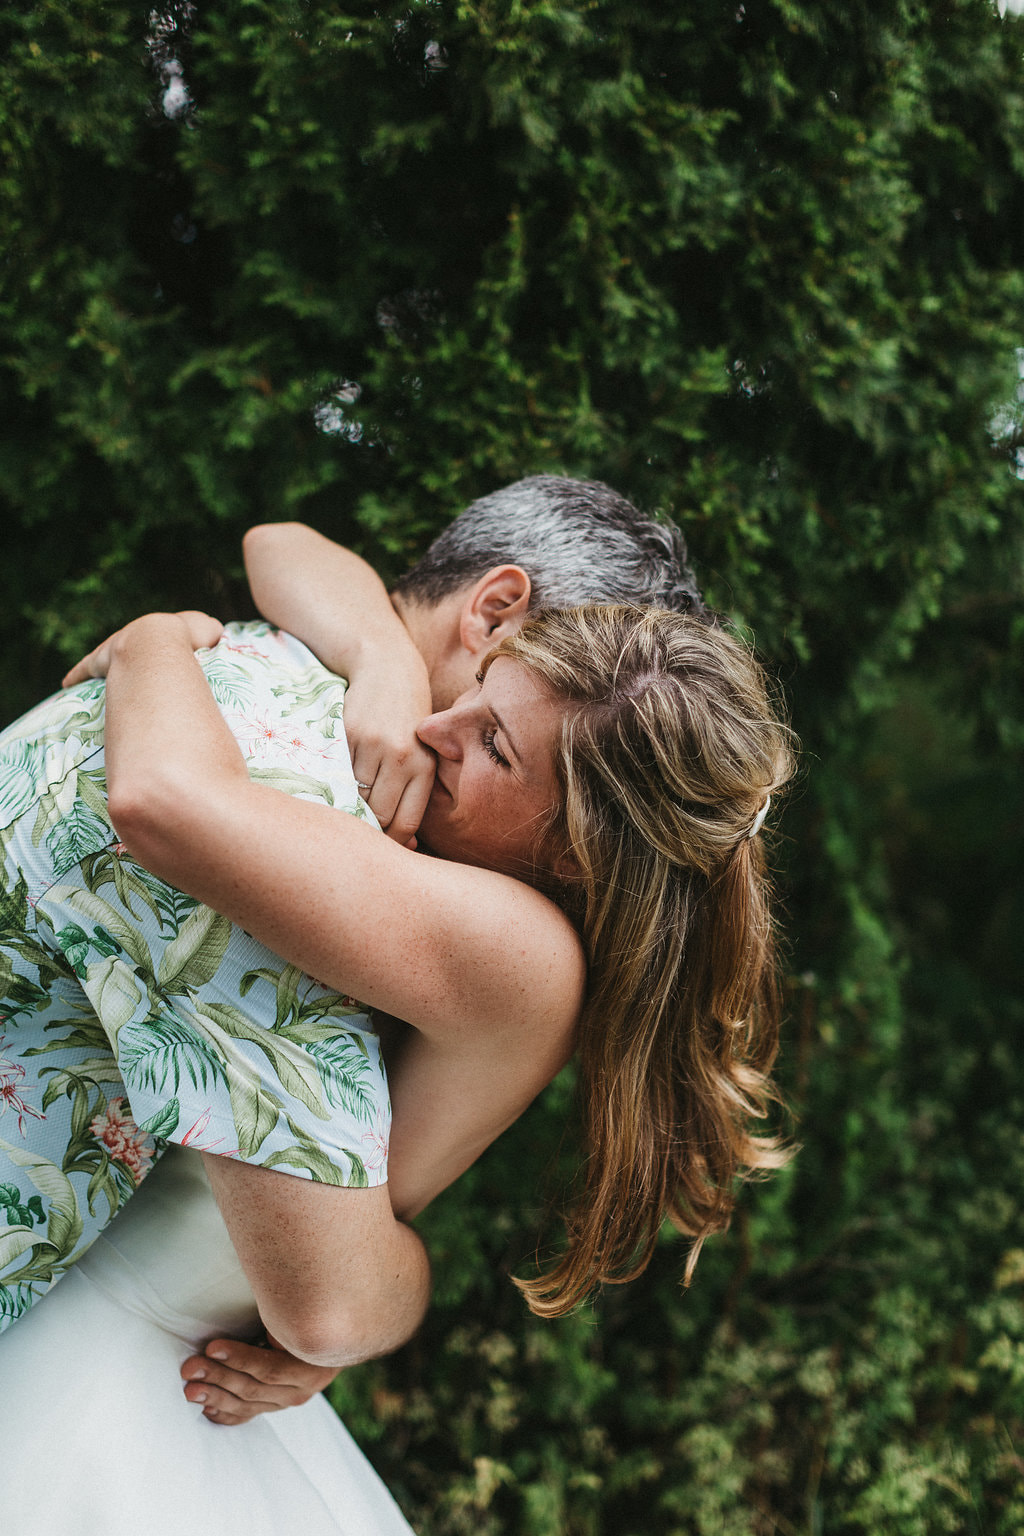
(25, 1213)
(292, 1066)
(130, 880)
(104, 917)
(307, 1018)
(99, 954)
(230, 686)
(18, 1291)
(346, 1074)
(309, 1156)
(114, 992)
(193, 956)
(21, 767)
(65, 1224)
(293, 783)
(164, 1122)
(256, 1112)
(76, 835)
(298, 997)
(14, 911)
(80, 1080)
(20, 995)
(159, 1050)
(317, 688)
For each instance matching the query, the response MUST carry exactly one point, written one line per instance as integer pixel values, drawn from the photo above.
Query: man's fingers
(234, 1382)
(218, 1379)
(248, 1369)
(274, 1367)
(226, 1406)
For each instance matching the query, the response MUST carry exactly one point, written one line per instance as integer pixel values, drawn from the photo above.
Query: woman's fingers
(93, 665)
(234, 1382)
(405, 822)
(203, 631)
(396, 786)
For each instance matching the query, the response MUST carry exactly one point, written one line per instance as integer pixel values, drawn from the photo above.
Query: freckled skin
(495, 779)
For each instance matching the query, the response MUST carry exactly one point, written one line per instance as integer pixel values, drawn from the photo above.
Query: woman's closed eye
(492, 750)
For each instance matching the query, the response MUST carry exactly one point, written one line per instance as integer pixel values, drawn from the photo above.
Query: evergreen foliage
(759, 265)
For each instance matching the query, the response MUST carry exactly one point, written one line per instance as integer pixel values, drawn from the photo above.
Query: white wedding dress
(96, 1436)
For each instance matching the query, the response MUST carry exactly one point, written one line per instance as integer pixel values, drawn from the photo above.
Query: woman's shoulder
(518, 959)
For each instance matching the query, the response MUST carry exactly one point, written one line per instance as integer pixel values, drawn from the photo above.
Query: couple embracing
(537, 833)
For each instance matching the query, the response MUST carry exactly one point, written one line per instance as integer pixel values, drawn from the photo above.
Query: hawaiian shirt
(132, 1015)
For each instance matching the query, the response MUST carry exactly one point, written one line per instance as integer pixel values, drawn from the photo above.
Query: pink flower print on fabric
(12, 1075)
(192, 1137)
(243, 648)
(123, 1140)
(377, 1142)
(260, 736)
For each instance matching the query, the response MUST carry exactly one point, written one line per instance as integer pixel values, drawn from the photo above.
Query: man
(542, 542)
(116, 988)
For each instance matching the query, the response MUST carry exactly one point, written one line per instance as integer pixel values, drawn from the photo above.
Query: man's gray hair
(577, 540)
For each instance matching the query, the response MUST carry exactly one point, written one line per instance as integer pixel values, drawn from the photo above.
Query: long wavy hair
(670, 747)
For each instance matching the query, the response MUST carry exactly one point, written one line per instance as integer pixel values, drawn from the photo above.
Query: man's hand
(203, 632)
(235, 1382)
(385, 702)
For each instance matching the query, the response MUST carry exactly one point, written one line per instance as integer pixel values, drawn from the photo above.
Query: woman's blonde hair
(669, 748)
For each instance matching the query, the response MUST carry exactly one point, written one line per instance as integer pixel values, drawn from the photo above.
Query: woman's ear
(495, 607)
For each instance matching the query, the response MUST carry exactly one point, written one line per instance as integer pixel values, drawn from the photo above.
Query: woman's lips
(440, 784)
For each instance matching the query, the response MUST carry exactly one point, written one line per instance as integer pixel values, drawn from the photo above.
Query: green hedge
(759, 265)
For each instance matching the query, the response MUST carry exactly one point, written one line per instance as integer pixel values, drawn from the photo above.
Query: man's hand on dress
(235, 1382)
(203, 632)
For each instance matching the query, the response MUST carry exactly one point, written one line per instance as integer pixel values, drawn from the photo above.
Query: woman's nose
(436, 733)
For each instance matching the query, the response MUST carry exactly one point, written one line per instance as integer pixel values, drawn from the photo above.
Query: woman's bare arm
(466, 955)
(323, 593)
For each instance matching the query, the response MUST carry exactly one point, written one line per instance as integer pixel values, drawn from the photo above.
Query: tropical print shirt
(130, 1014)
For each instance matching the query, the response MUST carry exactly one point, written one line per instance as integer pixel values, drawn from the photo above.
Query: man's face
(454, 634)
(451, 676)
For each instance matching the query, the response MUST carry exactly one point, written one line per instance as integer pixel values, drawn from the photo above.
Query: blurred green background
(760, 266)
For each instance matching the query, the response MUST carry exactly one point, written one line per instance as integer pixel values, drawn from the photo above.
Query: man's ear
(495, 606)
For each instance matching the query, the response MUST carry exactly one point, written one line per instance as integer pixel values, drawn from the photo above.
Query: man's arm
(444, 1119)
(335, 603)
(337, 1279)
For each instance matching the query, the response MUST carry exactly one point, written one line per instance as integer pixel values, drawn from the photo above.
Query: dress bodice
(93, 1413)
(168, 1256)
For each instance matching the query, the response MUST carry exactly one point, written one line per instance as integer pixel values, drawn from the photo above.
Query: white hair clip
(759, 818)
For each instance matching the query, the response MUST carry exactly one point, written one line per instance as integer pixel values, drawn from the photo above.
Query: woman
(620, 760)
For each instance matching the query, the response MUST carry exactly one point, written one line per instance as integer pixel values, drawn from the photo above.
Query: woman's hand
(333, 602)
(235, 1382)
(203, 631)
(385, 702)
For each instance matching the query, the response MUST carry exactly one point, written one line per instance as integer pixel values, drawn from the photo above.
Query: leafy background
(759, 265)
